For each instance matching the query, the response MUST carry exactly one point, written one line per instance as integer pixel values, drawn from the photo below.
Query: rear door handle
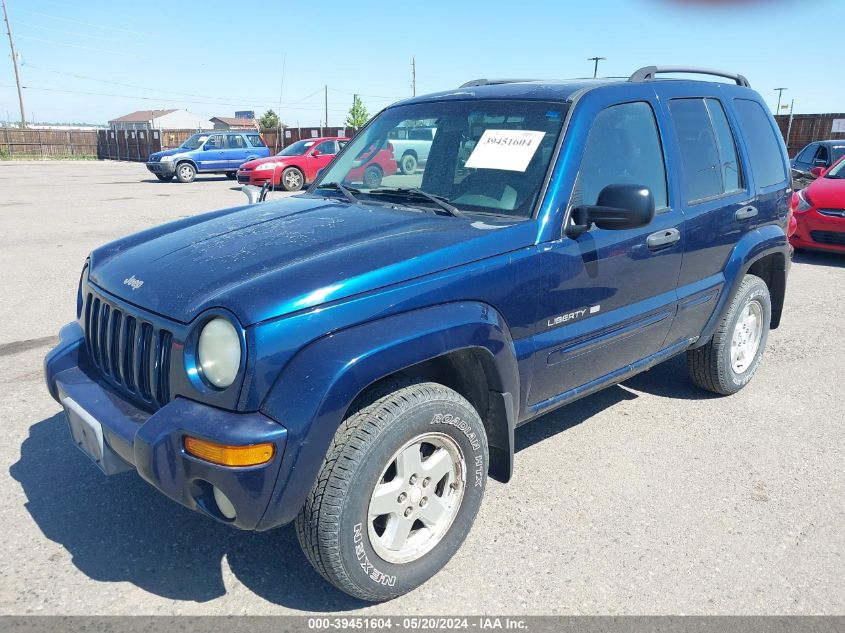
(745, 213)
(662, 239)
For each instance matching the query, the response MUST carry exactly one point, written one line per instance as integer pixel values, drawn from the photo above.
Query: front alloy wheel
(398, 492)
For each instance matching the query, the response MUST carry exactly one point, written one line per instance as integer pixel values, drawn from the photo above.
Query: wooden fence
(17, 143)
(137, 145)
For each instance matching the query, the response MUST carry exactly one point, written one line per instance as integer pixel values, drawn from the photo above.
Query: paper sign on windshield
(505, 149)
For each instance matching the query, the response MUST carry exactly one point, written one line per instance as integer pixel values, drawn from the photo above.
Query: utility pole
(413, 76)
(326, 93)
(780, 92)
(789, 126)
(596, 66)
(15, 62)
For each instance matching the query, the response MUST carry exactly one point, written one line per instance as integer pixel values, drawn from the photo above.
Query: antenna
(413, 76)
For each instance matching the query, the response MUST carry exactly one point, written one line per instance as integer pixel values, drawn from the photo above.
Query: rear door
(607, 298)
(236, 150)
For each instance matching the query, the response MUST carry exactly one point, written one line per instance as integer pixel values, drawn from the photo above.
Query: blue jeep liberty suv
(356, 359)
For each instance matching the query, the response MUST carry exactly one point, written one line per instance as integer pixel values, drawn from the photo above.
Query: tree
(358, 114)
(269, 120)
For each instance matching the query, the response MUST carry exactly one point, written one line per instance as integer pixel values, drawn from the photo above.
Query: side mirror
(619, 207)
(816, 172)
(316, 153)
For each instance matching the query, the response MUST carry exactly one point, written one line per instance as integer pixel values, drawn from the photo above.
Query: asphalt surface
(648, 498)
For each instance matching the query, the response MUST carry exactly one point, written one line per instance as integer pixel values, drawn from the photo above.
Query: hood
(252, 164)
(279, 257)
(169, 152)
(827, 193)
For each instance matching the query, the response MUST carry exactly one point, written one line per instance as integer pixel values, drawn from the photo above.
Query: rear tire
(408, 164)
(185, 172)
(730, 359)
(372, 177)
(398, 491)
(292, 179)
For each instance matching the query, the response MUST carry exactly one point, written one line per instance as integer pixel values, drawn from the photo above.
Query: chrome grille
(131, 353)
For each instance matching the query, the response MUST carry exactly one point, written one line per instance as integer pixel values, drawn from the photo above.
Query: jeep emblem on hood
(133, 283)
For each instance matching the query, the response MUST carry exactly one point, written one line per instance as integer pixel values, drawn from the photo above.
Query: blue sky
(95, 60)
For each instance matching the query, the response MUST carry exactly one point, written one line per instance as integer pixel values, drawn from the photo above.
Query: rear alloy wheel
(372, 177)
(408, 164)
(731, 358)
(398, 492)
(292, 179)
(185, 172)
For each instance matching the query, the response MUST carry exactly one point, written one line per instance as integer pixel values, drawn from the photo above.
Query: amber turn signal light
(229, 455)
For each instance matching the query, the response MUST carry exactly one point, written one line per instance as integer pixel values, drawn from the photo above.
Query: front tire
(185, 172)
(398, 492)
(231, 175)
(372, 177)
(730, 359)
(164, 178)
(292, 179)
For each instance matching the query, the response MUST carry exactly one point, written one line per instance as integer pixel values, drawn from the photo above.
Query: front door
(212, 157)
(318, 158)
(608, 297)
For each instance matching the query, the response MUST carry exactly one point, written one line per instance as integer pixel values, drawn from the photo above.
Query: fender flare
(752, 247)
(312, 395)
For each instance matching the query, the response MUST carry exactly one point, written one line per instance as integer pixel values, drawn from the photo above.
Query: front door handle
(745, 213)
(662, 239)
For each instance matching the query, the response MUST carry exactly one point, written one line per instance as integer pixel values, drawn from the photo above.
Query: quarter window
(255, 140)
(764, 148)
(623, 147)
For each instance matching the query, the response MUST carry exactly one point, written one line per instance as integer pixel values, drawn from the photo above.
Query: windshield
(837, 171)
(194, 142)
(481, 156)
(296, 149)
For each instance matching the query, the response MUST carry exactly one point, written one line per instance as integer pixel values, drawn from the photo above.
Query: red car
(819, 211)
(298, 164)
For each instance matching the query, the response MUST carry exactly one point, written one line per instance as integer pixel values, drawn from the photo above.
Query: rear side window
(699, 151)
(255, 140)
(623, 147)
(764, 149)
(728, 162)
(236, 141)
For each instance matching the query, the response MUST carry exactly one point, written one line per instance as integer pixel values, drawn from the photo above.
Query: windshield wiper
(348, 192)
(441, 201)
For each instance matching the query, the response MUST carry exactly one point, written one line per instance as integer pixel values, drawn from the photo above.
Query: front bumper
(253, 177)
(153, 443)
(819, 232)
(162, 169)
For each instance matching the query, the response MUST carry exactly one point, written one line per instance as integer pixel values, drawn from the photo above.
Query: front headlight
(219, 352)
(264, 166)
(166, 159)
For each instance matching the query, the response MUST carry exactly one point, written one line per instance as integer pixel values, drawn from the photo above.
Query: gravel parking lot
(651, 497)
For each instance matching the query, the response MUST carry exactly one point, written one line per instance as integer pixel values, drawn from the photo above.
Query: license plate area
(87, 433)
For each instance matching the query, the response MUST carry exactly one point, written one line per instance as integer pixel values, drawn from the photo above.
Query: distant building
(161, 120)
(233, 123)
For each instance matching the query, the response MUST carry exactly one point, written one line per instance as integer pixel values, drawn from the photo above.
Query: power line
(73, 33)
(91, 24)
(88, 48)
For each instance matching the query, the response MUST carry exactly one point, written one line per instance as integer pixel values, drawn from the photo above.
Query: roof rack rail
(647, 73)
(492, 82)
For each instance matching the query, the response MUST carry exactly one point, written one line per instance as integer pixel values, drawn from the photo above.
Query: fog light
(223, 504)
(225, 455)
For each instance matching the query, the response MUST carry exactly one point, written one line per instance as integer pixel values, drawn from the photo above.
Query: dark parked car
(820, 154)
(356, 358)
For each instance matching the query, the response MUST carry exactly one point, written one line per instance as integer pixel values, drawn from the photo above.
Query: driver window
(623, 147)
(326, 147)
(214, 142)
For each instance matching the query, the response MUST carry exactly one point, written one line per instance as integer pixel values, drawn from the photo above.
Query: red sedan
(298, 164)
(819, 211)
